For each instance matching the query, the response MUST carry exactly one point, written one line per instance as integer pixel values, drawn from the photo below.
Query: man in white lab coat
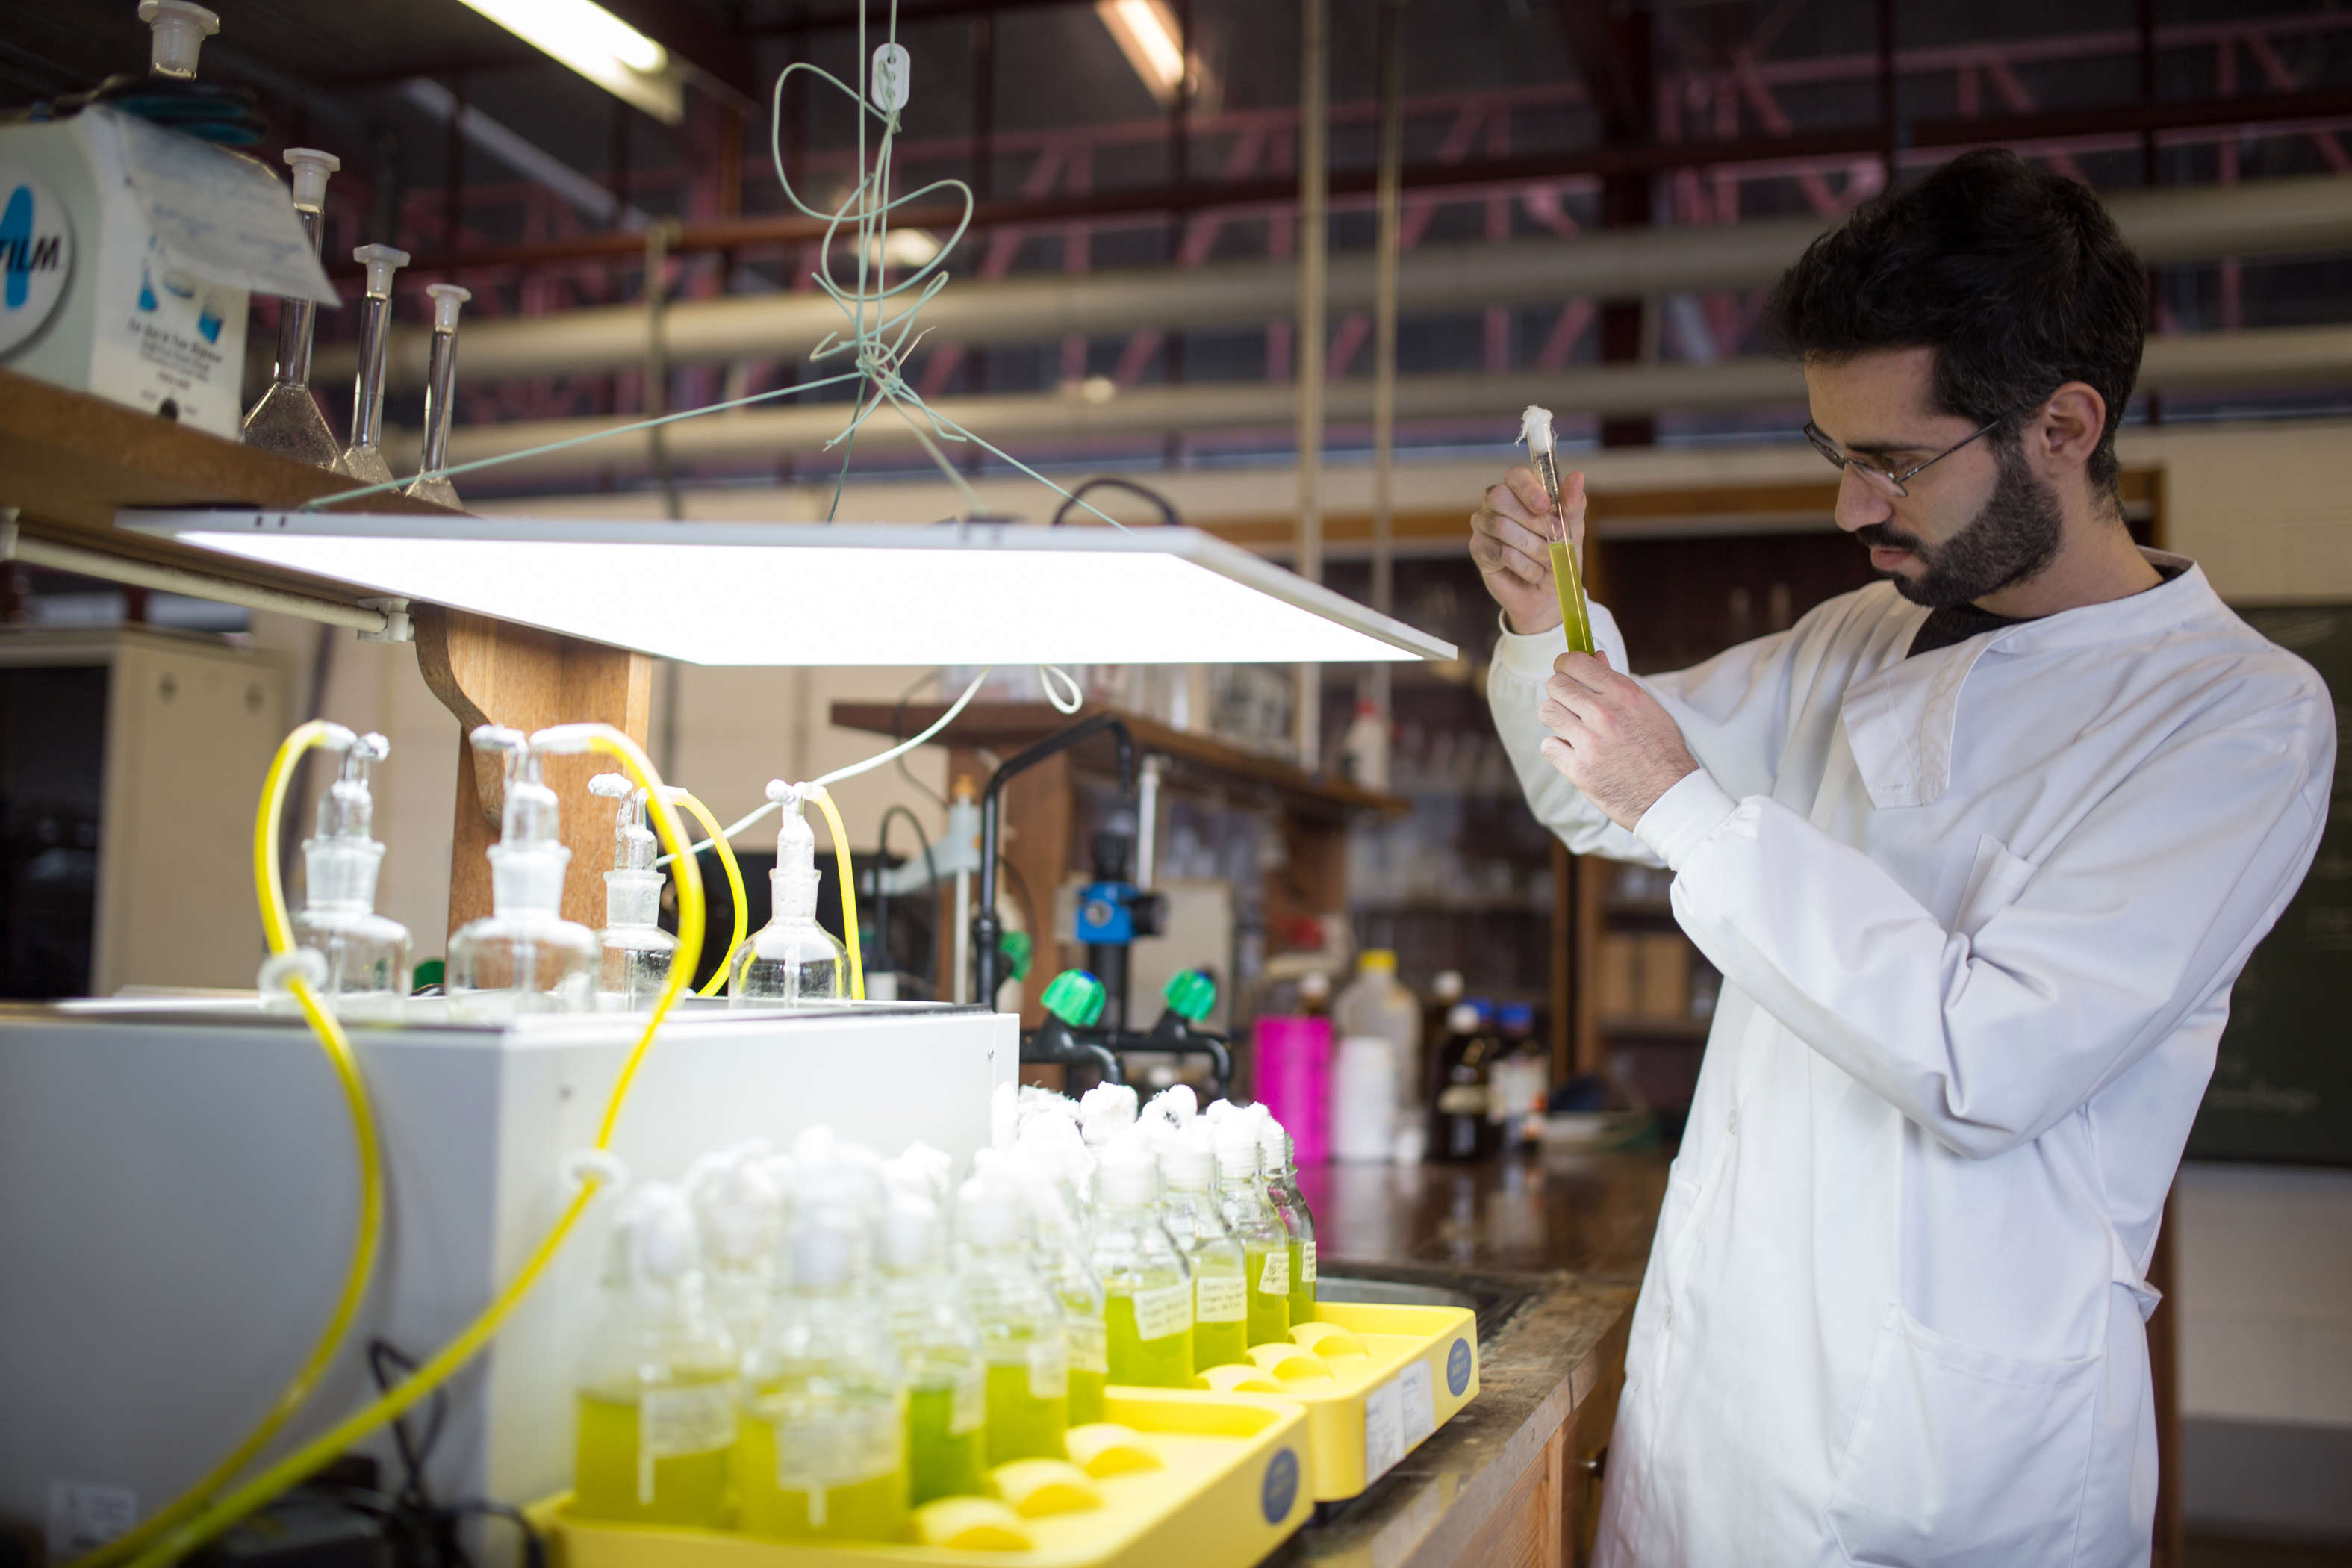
(1979, 850)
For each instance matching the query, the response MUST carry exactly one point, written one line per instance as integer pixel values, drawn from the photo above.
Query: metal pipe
(1313, 255)
(2266, 218)
(984, 925)
(2263, 357)
(1387, 247)
(14, 546)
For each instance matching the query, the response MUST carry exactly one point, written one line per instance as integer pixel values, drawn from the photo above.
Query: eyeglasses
(1885, 482)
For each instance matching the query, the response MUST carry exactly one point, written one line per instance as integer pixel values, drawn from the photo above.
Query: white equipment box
(177, 1196)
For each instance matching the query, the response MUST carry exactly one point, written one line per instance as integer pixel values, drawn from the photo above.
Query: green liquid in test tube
(1535, 430)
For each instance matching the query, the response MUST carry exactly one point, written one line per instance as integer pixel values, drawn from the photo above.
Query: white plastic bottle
(636, 951)
(656, 1390)
(1377, 1005)
(366, 953)
(791, 961)
(823, 1452)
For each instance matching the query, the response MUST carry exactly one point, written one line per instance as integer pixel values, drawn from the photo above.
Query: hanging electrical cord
(564, 738)
(278, 931)
(897, 730)
(747, 823)
(880, 335)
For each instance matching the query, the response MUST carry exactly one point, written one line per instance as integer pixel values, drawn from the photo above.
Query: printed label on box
(1416, 1402)
(1383, 1431)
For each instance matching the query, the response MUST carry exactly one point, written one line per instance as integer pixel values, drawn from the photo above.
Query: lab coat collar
(1899, 719)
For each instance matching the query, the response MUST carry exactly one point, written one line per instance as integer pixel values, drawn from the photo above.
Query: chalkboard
(2283, 1088)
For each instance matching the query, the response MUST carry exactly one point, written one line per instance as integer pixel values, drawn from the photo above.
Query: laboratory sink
(1496, 1299)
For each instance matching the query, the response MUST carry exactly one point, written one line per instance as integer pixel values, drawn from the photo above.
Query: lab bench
(1549, 1251)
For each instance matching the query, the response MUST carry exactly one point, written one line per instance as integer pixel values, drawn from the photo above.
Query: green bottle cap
(1018, 950)
(1190, 994)
(1075, 997)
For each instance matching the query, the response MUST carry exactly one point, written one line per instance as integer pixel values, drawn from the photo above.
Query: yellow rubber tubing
(306, 1461)
(278, 929)
(848, 890)
(727, 863)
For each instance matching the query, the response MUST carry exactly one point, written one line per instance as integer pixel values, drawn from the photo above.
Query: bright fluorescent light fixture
(1146, 35)
(857, 594)
(599, 46)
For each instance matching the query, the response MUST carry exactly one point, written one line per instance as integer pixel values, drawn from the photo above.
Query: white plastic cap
(311, 168)
(1461, 1018)
(1237, 1155)
(1186, 1163)
(1314, 985)
(181, 28)
(446, 297)
(1274, 1144)
(382, 261)
(1448, 986)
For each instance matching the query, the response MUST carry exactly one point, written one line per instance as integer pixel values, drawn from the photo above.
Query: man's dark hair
(2014, 276)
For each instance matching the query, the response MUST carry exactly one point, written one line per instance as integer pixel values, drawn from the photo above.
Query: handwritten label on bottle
(1224, 1298)
(1275, 1279)
(1089, 1344)
(1163, 1311)
(1049, 1368)
(1307, 1262)
(817, 1454)
(673, 1423)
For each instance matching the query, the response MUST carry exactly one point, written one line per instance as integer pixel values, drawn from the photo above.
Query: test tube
(363, 458)
(440, 390)
(287, 420)
(1575, 619)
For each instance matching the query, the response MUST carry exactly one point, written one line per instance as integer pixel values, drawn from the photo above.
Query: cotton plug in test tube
(1535, 430)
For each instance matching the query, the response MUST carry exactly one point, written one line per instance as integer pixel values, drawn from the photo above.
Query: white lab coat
(1978, 913)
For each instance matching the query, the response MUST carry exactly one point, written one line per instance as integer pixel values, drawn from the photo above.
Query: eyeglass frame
(1838, 460)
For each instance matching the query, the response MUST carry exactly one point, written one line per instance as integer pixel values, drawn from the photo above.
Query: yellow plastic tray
(1366, 1411)
(1232, 1489)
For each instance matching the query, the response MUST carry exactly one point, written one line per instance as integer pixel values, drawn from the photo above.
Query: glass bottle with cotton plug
(1020, 1323)
(1277, 1161)
(941, 1350)
(1265, 1245)
(1220, 1290)
(1147, 1286)
(823, 1452)
(656, 1388)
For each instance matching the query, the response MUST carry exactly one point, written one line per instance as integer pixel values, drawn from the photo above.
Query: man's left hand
(1611, 739)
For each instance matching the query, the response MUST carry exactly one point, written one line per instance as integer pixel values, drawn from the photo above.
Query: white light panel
(854, 594)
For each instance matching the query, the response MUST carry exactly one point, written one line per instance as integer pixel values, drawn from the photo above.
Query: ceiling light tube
(1146, 33)
(843, 593)
(599, 46)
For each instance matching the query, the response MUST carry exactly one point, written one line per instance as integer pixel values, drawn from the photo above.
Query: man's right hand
(1509, 536)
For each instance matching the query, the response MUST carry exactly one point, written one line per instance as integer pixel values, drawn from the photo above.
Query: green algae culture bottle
(824, 1451)
(939, 1351)
(1057, 1249)
(1188, 1206)
(1265, 1245)
(1028, 1355)
(656, 1390)
(1276, 1155)
(1146, 1288)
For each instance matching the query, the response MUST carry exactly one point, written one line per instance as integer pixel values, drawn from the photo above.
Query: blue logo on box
(1280, 1491)
(1457, 1367)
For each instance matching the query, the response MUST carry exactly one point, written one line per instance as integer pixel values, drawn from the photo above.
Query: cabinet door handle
(1596, 1463)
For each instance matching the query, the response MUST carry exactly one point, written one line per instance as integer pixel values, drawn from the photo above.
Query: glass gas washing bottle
(824, 1453)
(636, 951)
(656, 1390)
(791, 961)
(367, 953)
(524, 956)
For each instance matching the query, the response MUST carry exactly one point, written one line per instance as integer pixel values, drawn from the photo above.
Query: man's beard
(2014, 536)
